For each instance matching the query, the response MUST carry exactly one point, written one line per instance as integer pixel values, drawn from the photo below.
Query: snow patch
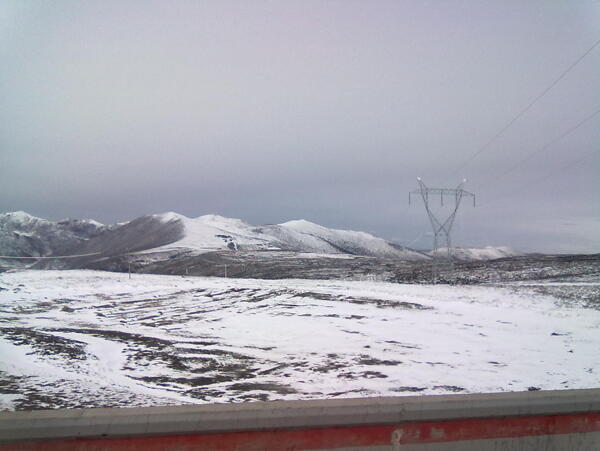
(382, 339)
(169, 216)
(486, 253)
(21, 217)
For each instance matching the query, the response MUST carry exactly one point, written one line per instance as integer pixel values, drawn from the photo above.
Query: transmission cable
(541, 149)
(49, 257)
(561, 169)
(524, 110)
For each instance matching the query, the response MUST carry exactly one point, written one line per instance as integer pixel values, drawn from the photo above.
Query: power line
(524, 110)
(543, 148)
(57, 256)
(561, 170)
(78, 255)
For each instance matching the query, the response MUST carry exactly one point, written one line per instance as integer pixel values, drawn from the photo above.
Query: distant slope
(145, 232)
(171, 235)
(24, 235)
(295, 241)
(351, 242)
(485, 253)
(213, 232)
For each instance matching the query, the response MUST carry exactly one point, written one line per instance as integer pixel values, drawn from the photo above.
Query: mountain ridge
(171, 235)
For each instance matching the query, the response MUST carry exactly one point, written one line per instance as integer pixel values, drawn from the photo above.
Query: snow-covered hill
(24, 235)
(167, 236)
(213, 232)
(351, 242)
(476, 254)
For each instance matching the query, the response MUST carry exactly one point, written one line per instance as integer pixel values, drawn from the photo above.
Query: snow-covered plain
(90, 338)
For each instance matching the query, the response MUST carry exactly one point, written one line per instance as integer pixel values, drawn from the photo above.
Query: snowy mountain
(168, 239)
(213, 232)
(24, 235)
(351, 242)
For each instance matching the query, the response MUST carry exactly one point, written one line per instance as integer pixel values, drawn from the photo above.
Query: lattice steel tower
(441, 229)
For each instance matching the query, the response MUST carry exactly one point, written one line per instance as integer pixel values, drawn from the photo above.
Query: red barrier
(334, 437)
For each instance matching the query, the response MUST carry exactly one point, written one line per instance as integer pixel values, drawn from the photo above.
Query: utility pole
(441, 229)
(129, 262)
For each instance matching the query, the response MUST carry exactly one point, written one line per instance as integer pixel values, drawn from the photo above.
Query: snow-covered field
(90, 338)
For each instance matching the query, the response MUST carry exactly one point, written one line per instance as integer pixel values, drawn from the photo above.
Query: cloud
(318, 110)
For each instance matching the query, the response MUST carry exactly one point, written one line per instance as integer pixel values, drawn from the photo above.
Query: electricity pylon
(441, 229)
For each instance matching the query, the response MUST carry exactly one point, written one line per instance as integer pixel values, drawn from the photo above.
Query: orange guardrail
(561, 420)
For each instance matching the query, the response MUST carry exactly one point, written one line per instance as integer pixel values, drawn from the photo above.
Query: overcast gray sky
(323, 110)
